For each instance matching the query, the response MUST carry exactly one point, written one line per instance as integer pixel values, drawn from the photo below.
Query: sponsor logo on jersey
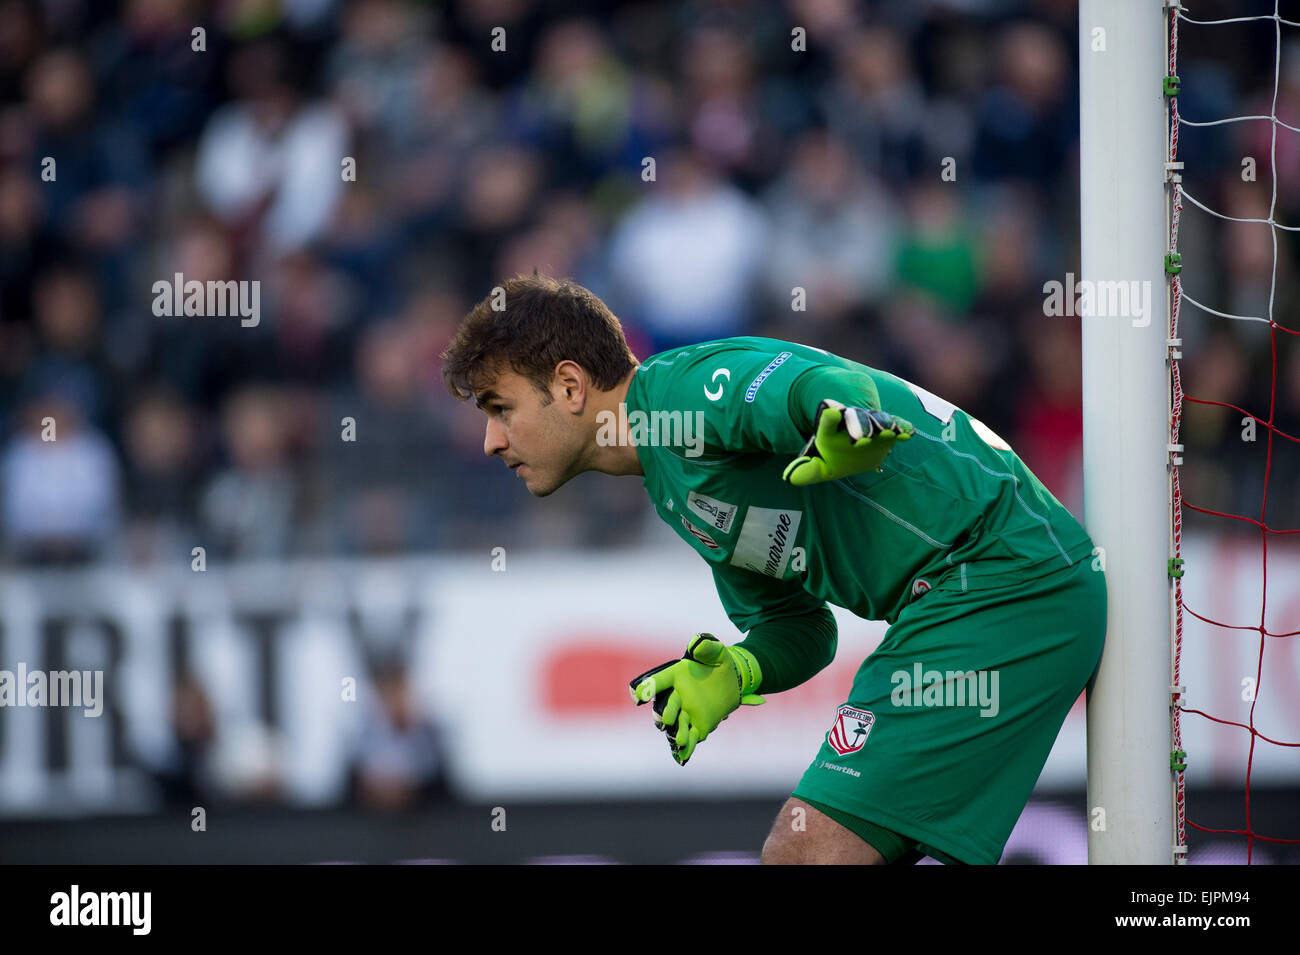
(920, 586)
(715, 395)
(849, 732)
(757, 383)
(766, 540)
(702, 537)
(720, 514)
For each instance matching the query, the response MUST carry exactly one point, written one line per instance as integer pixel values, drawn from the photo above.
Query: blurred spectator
(469, 24)
(721, 103)
(162, 443)
(212, 761)
(246, 761)
(876, 104)
(247, 510)
(685, 260)
(385, 491)
(152, 77)
(831, 230)
(450, 116)
(314, 308)
(98, 162)
(21, 245)
(400, 755)
(187, 777)
(1025, 127)
(69, 352)
(579, 104)
(59, 485)
(20, 43)
(269, 163)
(374, 68)
(936, 250)
(500, 194)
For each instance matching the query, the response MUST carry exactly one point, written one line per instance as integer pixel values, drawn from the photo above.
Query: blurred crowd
(213, 140)
(396, 754)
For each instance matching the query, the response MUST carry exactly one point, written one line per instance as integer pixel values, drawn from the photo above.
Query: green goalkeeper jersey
(715, 424)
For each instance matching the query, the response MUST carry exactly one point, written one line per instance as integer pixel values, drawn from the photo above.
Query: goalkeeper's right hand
(696, 693)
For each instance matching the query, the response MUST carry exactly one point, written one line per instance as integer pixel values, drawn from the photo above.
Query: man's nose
(495, 438)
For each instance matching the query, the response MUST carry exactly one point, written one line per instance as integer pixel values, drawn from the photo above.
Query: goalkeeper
(812, 480)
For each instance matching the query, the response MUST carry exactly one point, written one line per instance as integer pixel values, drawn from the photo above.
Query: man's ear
(569, 386)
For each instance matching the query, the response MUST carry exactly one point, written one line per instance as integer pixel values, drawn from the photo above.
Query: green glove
(696, 693)
(847, 441)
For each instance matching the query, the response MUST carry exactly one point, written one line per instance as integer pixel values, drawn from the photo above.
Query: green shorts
(950, 720)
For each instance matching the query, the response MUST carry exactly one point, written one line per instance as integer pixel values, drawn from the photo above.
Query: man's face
(542, 443)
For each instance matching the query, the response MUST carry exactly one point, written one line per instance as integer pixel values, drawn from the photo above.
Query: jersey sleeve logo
(757, 383)
(714, 396)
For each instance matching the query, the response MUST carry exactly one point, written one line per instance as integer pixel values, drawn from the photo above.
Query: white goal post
(1123, 52)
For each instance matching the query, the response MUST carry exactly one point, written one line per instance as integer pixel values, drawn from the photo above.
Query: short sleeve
(742, 398)
(850, 388)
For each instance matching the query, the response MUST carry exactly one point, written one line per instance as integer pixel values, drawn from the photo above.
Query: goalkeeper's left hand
(696, 693)
(846, 441)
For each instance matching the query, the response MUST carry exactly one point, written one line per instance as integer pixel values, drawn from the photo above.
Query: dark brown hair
(544, 322)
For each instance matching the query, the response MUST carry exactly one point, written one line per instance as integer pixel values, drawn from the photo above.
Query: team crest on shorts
(920, 586)
(850, 730)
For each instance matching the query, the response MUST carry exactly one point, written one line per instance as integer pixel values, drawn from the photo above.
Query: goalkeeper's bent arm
(792, 650)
